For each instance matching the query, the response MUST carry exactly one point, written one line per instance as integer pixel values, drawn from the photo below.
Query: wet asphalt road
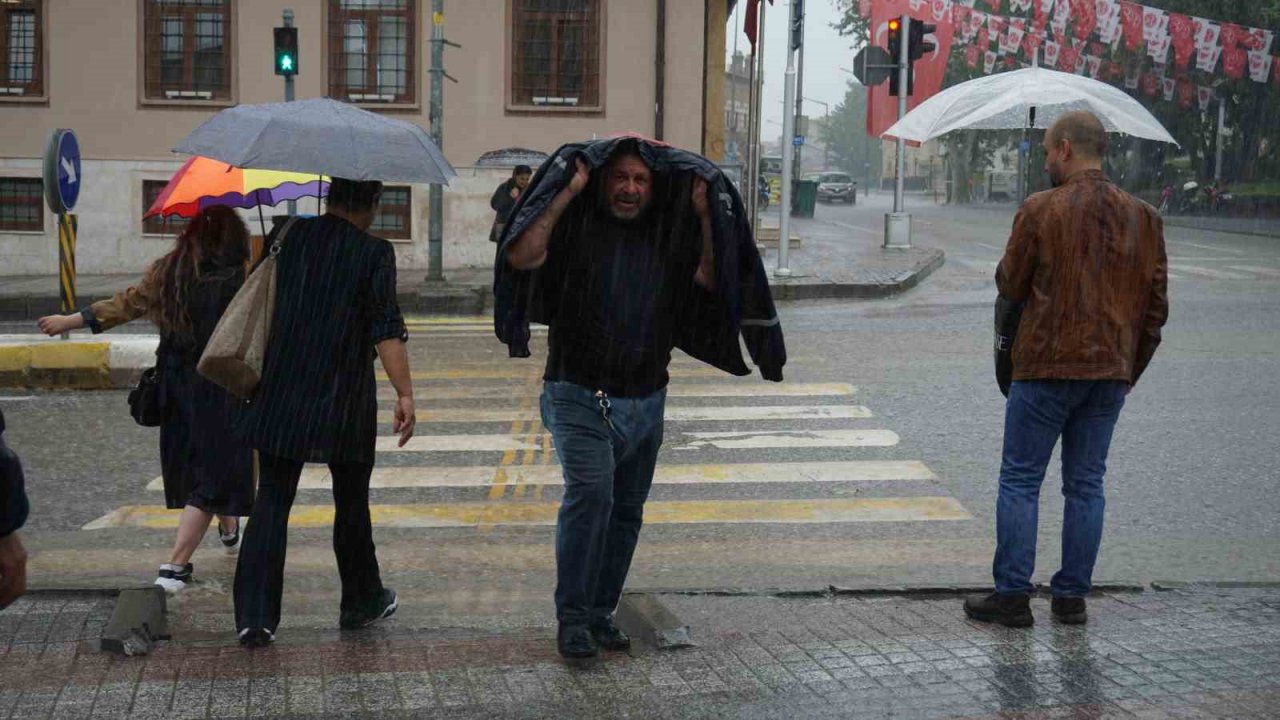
(1191, 481)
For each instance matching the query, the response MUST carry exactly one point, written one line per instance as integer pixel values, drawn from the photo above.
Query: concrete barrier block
(137, 622)
(648, 621)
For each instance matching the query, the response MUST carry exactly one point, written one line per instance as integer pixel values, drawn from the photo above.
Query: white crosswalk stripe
(673, 414)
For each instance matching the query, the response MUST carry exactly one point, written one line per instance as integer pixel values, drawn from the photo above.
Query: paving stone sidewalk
(1190, 653)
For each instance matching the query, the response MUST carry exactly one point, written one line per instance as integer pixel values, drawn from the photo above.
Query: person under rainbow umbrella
(202, 182)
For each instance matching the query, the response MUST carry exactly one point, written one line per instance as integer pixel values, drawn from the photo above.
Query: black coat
(13, 496)
(712, 322)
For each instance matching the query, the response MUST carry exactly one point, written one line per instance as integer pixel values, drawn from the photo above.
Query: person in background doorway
(505, 197)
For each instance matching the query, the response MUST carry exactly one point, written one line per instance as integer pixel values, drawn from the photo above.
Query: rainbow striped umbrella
(202, 182)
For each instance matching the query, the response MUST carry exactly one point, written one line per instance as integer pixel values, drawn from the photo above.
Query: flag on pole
(752, 23)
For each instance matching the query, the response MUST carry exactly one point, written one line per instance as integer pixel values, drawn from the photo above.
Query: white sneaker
(174, 578)
(231, 540)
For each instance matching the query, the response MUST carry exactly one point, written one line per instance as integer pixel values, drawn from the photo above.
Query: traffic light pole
(435, 194)
(788, 158)
(288, 97)
(897, 225)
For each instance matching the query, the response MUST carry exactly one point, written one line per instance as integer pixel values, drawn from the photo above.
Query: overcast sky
(825, 53)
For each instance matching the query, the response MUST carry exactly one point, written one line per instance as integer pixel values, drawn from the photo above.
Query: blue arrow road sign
(797, 140)
(62, 171)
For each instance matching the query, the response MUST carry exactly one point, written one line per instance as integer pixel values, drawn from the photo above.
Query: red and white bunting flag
(1014, 36)
(1061, 16)
(989, 62)
(1017, 22)
(1161, 71)
(996, 5)
(968, 3)
(971, 56)
(1131, 20)
(1159, 49)
(942, 10)
(1021, 5)
(1031, 43)
(1235, 61)
(1260, 40)
(1070, 59)
(1208, 34)
(1095, 65)
(984, 40)
(1150, 84)
(1051, 51)
(1275, 70)
(1084, 14)
(1207, 57)
(1155, 24)
(1170, 86)
(1180, 27)
(996, 25)
(1186, 94)
(1233, 35)
(1109, 29)
(1204, 94)
(976, 20)
(1259, 66)
(1106, 9)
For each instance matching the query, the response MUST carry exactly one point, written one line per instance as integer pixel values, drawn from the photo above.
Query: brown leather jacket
(1088, 260)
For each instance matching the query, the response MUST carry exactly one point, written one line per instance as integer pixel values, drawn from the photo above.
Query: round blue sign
(62, 171)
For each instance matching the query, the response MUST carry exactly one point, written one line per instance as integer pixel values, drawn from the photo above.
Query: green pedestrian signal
(286, 50)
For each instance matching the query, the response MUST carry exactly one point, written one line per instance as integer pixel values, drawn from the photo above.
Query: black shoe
(256, 637)
(576, 641)
(1069, 610)
(610, 636)
(1007, 610)
(384, 608)
(174, 578)
(230, 540)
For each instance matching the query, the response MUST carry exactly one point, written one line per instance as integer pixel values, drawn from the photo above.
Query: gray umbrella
(320, 136)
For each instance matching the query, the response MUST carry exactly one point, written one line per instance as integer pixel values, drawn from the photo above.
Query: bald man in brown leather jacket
(1087, 262)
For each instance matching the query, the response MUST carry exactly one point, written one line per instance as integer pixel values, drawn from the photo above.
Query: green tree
(846, 136)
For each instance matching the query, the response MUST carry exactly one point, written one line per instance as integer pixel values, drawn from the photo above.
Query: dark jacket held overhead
(711, 323)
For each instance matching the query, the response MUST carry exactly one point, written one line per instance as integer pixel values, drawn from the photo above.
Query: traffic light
(797, 24)
(895, 54)
(286, 50)
(917, 46)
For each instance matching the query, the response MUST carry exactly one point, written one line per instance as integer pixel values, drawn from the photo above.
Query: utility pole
(1222, 133)
(797, 18)
(754, 122)
(788, 159)
(897, 225)
(287, 18)
(866, 137)
(435, 194)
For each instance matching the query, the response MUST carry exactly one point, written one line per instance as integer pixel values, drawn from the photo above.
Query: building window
(371, 51)
(188, 49)
(394, 220)
(555, 53)
(22, 204)
(21, 34)
(157, 225)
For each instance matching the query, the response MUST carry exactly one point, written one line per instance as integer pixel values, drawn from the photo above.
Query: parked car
(836, 187)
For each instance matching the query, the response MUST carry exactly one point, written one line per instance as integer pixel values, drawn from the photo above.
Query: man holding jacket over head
(1086, 263)
(619, 254)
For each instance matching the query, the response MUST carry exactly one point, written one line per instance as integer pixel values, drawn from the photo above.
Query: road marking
(789, 439)
(673, 414)
(459, 443)
(519, 373)
(753, 389)
(16, 398)
(1230, 251)
(475, 515)
(1205, 272)
(317, 477)
(873, 233)
(997, 248)
(1268, 272)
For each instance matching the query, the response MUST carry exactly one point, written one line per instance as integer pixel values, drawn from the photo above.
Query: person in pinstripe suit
(335, 311)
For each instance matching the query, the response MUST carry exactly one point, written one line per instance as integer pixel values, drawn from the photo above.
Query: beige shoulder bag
(236, 350)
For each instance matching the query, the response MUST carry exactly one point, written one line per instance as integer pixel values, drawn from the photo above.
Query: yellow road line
(745, 388)
(537, 475)
(912, 509)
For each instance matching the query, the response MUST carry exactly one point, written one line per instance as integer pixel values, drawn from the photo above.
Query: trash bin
(804, 196)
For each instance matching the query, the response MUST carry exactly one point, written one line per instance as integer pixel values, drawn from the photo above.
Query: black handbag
(144, 399)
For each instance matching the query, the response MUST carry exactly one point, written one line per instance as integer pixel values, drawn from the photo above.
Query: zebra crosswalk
(809, 452)
(1206, 268)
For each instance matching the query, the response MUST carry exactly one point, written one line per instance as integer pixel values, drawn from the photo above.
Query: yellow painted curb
(79, 365)
(15, 358)
(70, 356)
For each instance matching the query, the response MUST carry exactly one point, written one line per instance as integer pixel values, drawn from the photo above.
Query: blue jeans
(608, 468)
(1083, 413)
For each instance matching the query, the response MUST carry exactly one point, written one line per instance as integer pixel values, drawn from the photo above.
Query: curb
(833, 591)
(36, 362)
(1190, 224)
(904, 281)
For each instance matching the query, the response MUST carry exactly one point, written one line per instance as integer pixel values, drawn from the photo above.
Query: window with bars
(21, 204)
(21, 54)
(371, 51)
(157, 225)
(187, 50)
(394, 219)
(555, 53)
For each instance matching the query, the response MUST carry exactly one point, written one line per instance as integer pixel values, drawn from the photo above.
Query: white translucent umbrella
(1026, 98)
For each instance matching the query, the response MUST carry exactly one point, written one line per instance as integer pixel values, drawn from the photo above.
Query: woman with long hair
(206, 471)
